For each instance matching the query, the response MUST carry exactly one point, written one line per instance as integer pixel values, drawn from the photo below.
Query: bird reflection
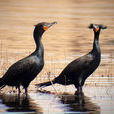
(79, 103)
(17, 103)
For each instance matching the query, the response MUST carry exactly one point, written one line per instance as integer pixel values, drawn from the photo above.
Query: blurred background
(65, 41)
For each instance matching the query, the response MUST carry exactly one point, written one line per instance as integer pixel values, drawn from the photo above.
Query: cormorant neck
(96, 47)
(37, 37)
(96, 35)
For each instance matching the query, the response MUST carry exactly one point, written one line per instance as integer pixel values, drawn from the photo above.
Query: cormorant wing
(19, 68)
(78, 65)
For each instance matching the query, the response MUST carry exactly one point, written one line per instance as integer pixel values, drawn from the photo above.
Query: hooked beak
(48, 25)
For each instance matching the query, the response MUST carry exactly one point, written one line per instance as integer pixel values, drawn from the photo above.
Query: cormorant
(25, 70)
(80, 69)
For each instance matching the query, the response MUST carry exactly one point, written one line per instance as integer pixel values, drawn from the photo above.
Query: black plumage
(80, 69)
(25, 70)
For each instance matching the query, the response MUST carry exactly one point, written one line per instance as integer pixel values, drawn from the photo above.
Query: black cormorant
(25, 70)
(80, 69)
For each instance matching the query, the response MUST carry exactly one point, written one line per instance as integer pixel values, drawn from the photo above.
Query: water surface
(93, 100)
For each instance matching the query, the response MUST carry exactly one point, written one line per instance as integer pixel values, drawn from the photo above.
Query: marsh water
(69, 39)
(93, 100)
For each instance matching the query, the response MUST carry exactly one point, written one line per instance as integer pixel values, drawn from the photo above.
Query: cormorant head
(97, 27)
(42, 27)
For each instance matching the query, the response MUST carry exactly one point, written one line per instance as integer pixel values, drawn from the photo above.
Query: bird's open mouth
(48, 25)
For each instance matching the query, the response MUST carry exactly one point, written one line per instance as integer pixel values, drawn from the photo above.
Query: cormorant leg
(19, 91)
(79, 89)
(26, 91)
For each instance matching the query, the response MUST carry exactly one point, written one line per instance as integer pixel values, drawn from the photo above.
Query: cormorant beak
(48, 25)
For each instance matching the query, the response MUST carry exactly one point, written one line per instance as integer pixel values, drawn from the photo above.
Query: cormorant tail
(2, 85)
(45, 84)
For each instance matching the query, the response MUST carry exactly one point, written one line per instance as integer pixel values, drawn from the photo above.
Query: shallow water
(93, 100)
(10, 103)
(64, 42)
